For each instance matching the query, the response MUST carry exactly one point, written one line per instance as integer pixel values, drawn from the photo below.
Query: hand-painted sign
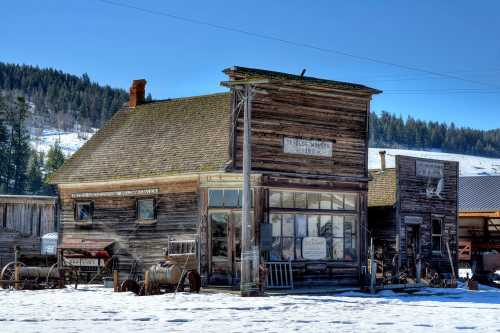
(314, 248)
(126, 193)
(307, 147)
(87, 262)
(429, 169)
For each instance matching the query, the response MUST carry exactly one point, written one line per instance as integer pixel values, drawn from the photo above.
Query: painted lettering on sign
(429, 169)
(314, 248)
(88, 262)
(307, 147)
(126, 193)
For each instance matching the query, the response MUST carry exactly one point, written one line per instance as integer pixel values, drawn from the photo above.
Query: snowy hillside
(469, 165)
(70, 142)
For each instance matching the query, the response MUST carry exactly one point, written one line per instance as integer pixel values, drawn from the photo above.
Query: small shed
(412, 215)
(23, 221)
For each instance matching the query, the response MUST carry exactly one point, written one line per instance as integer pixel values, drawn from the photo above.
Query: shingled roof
(382, 188)
(183, 135)
(249, 73)
(479, 194)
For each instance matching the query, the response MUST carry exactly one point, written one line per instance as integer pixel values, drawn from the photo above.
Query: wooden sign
(307, 147)
(429, 169)
(126, 193)
(87, 262)
(314, 248)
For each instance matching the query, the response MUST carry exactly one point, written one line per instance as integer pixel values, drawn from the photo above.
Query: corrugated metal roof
(479, 194)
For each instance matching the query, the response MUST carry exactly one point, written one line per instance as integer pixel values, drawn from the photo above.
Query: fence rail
(279, 275)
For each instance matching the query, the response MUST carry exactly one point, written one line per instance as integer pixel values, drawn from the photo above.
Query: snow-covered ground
(95, 309)
(469, 165)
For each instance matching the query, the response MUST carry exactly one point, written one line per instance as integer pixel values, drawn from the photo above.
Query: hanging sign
(314, 248)
(307, 147)
(126, 193)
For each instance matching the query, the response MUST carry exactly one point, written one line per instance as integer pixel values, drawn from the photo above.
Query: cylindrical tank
(38, 272)
(167, 273)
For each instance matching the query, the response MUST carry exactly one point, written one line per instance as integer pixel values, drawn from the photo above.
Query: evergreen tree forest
(60, 100)
(390, 131)
(22, 169)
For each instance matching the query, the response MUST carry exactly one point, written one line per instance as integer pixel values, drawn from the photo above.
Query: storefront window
(226, 198)
(313, 200)
(290, 230)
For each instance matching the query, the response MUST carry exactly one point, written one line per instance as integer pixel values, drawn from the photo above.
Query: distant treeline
(60, 99)
(390, 131)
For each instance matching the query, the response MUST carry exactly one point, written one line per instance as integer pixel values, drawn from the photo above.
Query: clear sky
(115, 44)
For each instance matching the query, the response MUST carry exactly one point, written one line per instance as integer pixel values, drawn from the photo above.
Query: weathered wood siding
(23, 220)
(177, 214)
(307, 113)
(412, 201)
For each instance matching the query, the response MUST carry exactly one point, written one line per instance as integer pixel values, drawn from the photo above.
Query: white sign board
(126, 193)
(307, 147)
(314, 248)
(87, 262)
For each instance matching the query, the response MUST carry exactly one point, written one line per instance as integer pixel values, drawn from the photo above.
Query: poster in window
(314, 248)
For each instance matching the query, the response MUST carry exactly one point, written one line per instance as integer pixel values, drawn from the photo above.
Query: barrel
(167, 273)
(38, 272)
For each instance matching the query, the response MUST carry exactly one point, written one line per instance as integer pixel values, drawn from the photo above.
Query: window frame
(440, 219)
(77, 206)
(140, 220)
(239, 199)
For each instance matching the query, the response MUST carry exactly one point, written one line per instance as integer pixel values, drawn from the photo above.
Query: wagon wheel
(54, 284)
(130, 285)
(8, 273)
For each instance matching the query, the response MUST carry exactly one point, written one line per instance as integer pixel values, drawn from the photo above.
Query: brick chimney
(137, 93)
(382, 159)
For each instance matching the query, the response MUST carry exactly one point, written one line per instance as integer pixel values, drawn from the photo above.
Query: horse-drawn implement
(177, 273)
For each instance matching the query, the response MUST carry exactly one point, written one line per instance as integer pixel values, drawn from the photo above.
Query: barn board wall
(412, 201)
(115, 218)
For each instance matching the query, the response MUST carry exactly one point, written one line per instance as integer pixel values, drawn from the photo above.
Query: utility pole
(250, 254)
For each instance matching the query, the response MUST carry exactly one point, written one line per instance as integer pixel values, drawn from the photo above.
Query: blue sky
(115, 45)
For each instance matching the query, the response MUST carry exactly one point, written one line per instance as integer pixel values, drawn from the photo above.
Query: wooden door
(412, 247)
(225, 254)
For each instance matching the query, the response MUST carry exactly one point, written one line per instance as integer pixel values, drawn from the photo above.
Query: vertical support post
(419, 270)
(373, 267)
(249, 251)
(17, 277)
(147, 284)
(116, 281)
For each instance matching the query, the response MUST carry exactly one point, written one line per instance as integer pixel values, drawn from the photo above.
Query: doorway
(412, 247)
(225, 247)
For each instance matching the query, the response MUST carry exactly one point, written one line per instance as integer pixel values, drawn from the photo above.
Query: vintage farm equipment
(20, 276)
(176, 273)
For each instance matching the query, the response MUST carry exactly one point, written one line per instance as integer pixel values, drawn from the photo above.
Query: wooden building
(171, 170)
(479, 216)
(412, 215)
(23, 221)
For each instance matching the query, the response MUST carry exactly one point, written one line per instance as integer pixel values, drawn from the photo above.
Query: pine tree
(4, 166)
(19, 148)
(55, 158)
(35, 172)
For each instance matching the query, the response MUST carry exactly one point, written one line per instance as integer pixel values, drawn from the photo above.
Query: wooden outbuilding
(479, 217)
(169, 172)
(23, 221)
(412, 217)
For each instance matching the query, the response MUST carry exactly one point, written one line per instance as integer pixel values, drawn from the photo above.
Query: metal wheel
(47, 282)
(8, 272)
